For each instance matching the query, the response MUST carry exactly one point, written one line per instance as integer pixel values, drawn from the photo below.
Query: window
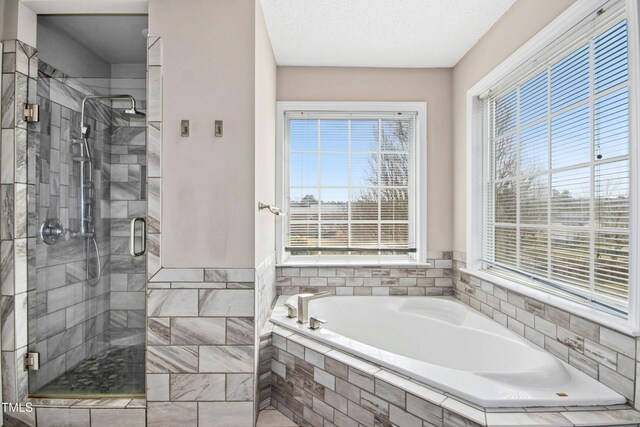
(349, 183)
(556, 196)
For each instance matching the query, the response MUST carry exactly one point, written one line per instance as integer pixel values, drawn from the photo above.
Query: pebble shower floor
(119, 370)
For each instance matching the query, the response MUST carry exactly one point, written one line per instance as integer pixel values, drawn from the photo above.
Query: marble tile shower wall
(127, 201)
(17, 218)
(602, 353)
(434, 280)
(69, 320)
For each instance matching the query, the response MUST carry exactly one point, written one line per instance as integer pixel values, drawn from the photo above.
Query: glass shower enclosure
(87, 272)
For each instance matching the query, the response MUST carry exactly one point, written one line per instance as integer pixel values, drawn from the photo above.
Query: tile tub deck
(316, 385)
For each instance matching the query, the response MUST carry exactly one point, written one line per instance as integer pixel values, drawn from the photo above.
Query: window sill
(374, 262)
(604, 319)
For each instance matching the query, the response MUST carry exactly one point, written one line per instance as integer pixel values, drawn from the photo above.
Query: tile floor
(270, 417)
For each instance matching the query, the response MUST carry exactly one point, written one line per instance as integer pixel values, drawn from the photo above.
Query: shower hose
(93, 281)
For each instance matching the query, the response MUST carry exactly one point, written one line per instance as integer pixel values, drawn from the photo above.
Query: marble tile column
(202, 339)
(17, 226)
(200, 347)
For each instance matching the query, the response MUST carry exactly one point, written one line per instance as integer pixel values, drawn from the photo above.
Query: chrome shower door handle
(143, 236)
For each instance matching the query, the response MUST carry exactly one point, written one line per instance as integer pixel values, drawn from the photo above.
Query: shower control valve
(51, 231)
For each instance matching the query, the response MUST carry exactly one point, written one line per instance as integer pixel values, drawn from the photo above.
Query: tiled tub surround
(429, 339)
(602, 353)
(315, 385)
(69, 320)
(434, 280)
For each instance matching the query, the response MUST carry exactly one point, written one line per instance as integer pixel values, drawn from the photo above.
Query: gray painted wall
(67, 55)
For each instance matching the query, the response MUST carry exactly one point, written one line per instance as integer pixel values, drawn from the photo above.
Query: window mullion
(549, 175)
(350, 186)
(319, 185)
(517, 179)
(379, 185)
(592, 216)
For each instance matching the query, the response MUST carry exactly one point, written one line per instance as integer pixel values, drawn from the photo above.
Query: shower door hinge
(32, 361)
(31, 112)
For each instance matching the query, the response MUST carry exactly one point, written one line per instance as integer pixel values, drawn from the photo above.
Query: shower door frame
(13, 307)
(96, 329)
(14, 326)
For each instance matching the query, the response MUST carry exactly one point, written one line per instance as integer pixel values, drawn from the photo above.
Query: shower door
(87, 294)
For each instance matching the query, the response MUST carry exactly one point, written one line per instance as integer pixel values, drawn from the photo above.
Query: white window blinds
(557, 182)
(350, 183)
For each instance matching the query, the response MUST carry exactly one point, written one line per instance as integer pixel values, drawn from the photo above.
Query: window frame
(418, 165)
(477, 136)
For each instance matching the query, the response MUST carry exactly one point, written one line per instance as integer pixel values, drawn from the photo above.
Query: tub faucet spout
(303, 304)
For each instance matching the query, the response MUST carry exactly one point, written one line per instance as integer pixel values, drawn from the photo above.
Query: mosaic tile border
(433, 280)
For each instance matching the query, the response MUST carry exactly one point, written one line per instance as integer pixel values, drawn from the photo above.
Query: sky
(320, 159)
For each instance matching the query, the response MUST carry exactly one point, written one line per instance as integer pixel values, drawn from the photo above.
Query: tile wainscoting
(602, 353)
(200, 347)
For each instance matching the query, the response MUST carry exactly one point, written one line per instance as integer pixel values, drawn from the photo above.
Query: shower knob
(51, 231)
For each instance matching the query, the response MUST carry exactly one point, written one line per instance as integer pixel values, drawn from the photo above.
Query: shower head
(134, 113)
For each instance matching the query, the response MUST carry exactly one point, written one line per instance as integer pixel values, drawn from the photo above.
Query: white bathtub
(445, 344)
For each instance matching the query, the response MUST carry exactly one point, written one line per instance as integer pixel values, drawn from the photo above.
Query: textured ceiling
(378, 33)
(117, 39)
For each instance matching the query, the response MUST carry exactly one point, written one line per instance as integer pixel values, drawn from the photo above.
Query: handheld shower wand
(85, 159)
